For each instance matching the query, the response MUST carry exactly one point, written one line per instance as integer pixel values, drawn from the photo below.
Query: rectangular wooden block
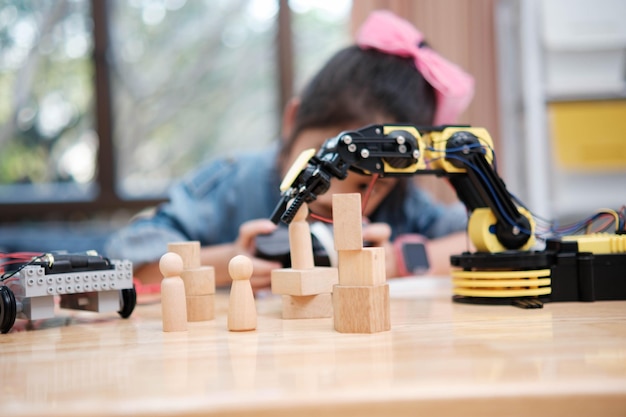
(199, 281)
(307, 306)
(361, 309)
(189, 251)
(200, 307)
(362, 267)
(347, 227)
(318, 280)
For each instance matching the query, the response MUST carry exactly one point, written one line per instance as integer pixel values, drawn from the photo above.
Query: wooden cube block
(200, 307)
(199, 281)
(307, 306)
(318, 280)
(361, 309)
(362, 267)
(189, 251)
(347, 227)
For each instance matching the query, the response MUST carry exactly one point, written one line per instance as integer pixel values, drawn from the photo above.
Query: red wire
(27, 255)
(320, 218)
(14, 261)
(16, 258)
(603, 226)
(368, 192)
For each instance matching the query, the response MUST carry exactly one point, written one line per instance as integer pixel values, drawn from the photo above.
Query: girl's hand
(246, 245)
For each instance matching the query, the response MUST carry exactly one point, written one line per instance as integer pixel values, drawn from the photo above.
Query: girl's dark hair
(359, 86)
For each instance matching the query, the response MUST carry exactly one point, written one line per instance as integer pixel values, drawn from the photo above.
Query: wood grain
(439, 358)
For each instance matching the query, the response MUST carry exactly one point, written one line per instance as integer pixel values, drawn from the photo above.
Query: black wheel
(8, 309)
(128, 300)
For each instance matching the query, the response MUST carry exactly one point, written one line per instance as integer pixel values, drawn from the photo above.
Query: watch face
(415, 258)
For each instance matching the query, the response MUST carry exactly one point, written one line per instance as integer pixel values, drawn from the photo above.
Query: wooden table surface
(440, 358)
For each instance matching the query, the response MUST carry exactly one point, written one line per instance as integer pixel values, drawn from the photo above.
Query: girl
(389, 76)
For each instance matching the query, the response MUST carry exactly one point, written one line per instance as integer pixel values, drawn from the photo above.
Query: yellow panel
(490, 283)
(438, 143)
(296, 168)
(501, 274)
(468, 292)
(481, 235)
(599, 243)
(420, 164)
(589, 135)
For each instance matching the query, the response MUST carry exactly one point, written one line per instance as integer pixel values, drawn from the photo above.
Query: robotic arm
(461, 153)
(505, 269)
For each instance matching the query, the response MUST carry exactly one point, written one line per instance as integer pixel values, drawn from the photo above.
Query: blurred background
(104, 103)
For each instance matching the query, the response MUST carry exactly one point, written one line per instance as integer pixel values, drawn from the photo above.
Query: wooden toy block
(200, 307)
(199, 281)
(318, 280)
(347, 226)
(362, 267)
(361, 309)
(173, 304)
(308, 306)
(242, 315)
(189, 251)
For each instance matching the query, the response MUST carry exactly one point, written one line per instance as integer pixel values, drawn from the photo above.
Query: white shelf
(529, 168)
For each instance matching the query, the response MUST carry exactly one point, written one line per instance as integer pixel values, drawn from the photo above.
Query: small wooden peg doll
(242, 314)
(173, 302)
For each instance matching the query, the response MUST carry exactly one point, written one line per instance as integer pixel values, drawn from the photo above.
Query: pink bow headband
(387, 33)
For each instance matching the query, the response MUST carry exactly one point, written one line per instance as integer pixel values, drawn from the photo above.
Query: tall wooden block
(362, 267)
(189, 251)
(318, 280)
(307, 306)
(199, 281)
(347, 227)
(300, 243)
(361, 309)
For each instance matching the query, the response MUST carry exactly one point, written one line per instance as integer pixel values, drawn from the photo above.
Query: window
(48, 142)
(104, 103)
(189, 80)
(320, 28)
